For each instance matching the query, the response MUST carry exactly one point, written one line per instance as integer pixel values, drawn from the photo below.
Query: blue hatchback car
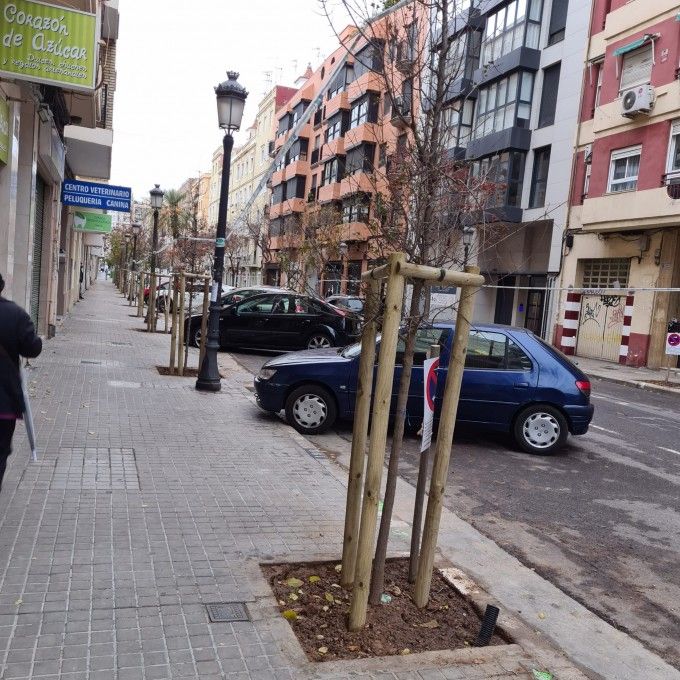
(513, 382)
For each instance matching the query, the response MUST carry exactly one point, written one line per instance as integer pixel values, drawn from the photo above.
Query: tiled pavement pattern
(148, 501)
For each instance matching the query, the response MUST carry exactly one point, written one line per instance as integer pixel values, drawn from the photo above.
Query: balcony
(357, 231)
(401, 113)
(338, 103)
(368, 133)
(329, 192)
(277, 177)
(368, 82)
(333, 148)
(89, 151)
(293, 205)
(300, 167)
(359, 182)
(406, 57)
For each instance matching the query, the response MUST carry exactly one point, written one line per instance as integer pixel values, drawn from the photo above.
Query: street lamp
(156, 200)
(468, 238)
(136, 228)
(231, 99)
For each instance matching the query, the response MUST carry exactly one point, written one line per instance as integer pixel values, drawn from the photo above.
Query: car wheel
(311, 409)
(540, 429)
(319, 340)
(196, 336)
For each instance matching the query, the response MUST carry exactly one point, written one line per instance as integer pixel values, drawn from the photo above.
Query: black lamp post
(231, 100)
(136, 229)
(468, 238)
(156, 200)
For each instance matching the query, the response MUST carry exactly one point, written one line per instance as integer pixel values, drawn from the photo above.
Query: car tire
(195, 336)
(311, 409)
(319, 340)
(540, 429)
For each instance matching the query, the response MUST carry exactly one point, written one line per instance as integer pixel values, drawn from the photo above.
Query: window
(370, 58)
(279, 193)
(539, 177)
(623, 170)
(337, 125)
(586, 180)
(495, 351)
(332, 171)
(425, 338)
(283, 126)
(551, 81)
(295, 187)
(401, 144)
(608, 272)
(636, 68)
(364, 111)
(355, 209)
(457, 124)
(360, 159)
(340, 81)
(501, 178)
(598, 85)
(515, 25)
(382, 155)
(673, 162)
(558, 21)
(259, 305)
(298, 152)
(504, 104)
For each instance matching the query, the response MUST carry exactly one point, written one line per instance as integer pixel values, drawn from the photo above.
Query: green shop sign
(4, 131)
(95, 223)
(48, 44)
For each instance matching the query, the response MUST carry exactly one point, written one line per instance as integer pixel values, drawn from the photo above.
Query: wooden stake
(376, 450)
(167, 305)
(152, 304)
(417, 527)
(173, 330)
(444, 443)
(204, 320)
(180, 323)
(360, 433)
(140, 295)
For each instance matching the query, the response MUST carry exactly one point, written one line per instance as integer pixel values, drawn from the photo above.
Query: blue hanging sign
(97, 196)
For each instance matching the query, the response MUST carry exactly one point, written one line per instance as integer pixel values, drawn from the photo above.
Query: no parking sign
(673, 343)
(430, 367)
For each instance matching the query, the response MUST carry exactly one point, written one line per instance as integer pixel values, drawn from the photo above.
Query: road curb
(641, 385)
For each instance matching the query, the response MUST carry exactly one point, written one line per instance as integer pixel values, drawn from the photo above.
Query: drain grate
(227, 612)
(94, 363)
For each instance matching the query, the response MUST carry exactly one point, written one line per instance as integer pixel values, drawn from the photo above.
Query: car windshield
(354, 304)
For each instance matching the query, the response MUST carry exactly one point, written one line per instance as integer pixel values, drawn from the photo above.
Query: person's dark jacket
(17, 338)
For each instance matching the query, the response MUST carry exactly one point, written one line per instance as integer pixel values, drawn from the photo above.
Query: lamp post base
(209, 376)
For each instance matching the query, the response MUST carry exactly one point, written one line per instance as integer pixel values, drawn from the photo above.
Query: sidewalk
(151, 500)
(644, 378)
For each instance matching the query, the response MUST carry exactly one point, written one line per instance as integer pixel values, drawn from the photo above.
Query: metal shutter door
(37, 247)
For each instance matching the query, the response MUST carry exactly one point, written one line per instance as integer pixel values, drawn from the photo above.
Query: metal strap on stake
(376, 451)
(444, 443)
(360, 435)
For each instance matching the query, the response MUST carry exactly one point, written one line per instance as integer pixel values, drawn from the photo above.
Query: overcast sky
(171, 54)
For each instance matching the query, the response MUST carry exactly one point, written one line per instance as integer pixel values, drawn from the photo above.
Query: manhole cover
(228, 612)
(85, 361)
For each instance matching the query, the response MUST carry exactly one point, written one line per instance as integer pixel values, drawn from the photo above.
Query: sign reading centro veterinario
(94, 195)
(92, 222)
(48, 44)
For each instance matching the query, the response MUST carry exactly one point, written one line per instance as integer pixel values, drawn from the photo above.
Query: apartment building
(513, 112)
(248, 164)
(325, 192)
(625, 204)
(55, 124)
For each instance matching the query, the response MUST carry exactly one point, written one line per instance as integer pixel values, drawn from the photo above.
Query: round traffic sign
(673, 339)
(431, 382)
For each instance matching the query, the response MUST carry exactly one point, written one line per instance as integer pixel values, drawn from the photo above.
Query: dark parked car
(513, 382)
(351, 303)
(281, 321)
(238, 294)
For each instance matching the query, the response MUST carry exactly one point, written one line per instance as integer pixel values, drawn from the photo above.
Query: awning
(88, 151)
(630, 47)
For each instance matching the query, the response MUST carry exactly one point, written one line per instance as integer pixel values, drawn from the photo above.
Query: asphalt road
(601, 520)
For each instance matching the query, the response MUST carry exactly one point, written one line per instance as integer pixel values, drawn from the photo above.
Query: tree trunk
(378, 575)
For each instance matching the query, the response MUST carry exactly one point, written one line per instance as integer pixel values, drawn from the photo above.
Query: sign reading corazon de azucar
(48, 44)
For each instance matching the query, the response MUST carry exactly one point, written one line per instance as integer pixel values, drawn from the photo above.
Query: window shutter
(637, 67)
(558, 20)
(551, 79)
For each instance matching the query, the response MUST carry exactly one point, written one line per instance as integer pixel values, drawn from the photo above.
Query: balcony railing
(672, 182)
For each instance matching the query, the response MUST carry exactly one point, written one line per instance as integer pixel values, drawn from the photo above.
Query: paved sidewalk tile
(149, 501)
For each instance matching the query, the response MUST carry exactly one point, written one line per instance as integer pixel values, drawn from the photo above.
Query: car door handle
(522, 385)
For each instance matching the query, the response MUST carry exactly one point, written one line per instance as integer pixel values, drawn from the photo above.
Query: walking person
(17, 338)
(80, 287)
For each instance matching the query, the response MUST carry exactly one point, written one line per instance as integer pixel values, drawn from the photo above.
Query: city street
(600, 520)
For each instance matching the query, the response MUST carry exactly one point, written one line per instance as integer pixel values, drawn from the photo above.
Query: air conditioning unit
(637, 101)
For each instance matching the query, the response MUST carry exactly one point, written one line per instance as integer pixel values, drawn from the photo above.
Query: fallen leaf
(323, 650)
(405, 651)
(338, 568)
(90, 432)
(293, 596)
(334, 585)
(314, 579)
(429, 624)
(542, 675)
(541, 615)
(338, 601)
(289, 615)
(18, 602)
(293, 582)
(395, 590)
(282, 602)
(319, 637)
(325, 608)
(329, 597)
(352, 648)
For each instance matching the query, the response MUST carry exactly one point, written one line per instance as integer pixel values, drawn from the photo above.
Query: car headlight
(266, 373)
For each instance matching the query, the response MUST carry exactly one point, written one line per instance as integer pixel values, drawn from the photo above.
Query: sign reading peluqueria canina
(48, 44)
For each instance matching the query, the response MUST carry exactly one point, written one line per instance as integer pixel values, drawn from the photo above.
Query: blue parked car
(513, 382)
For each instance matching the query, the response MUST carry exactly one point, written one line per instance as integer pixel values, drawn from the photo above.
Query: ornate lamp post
(156, 200)
(231, 100)
(136, 228)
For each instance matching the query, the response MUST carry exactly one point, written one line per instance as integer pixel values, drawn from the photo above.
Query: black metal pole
(466, 254)
(209, 375)
(133, 267)
(152, 283)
